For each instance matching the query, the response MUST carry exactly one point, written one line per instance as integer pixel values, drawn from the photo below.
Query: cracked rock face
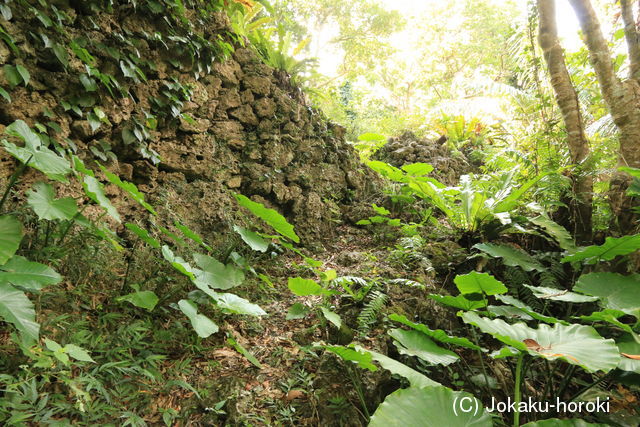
(246, 130)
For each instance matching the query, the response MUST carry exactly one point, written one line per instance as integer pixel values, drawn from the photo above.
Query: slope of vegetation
(186, 239)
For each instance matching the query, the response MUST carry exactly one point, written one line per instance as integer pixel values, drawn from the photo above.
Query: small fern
(514, 278)
(376, 300)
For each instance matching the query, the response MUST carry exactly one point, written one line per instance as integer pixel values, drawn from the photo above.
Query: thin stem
(516, 391)
(565, 380)
(590, 386)
(357, 385)
(484, 369)
(12, 181)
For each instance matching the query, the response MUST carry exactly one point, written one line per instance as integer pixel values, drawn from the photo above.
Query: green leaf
(611, 248)
(510, 202)
(297, 311)
(95, 190)
(332, 317)
(416, 379)
(475, 282)
(29, 275)
(243, 351)
(178, 263)
(78, 353)
(270, 216)
(459, 301)
(553, 294)
(61, 53)
(371, 137)
(142, 299)
(192, 235)
(24, 74)
(362, 358)
(508, 299)
(430, 407)
(511, 256)
(608, 316)
(203, 326)
(576, 344)
(629, 344)
(238, 305)
(58, 351)
(16, 308)
(12, 75)
(10, 237)
(42, 200)
(555, 230)
(143, 235)
(437, 334)
(415, 343)
(417, 169)
(5, 94)
(508, 312)
(130, 188)
(304, 287)
(215, 274)
(615, 291)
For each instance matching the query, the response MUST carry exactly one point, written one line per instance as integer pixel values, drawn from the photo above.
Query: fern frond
(376, 300)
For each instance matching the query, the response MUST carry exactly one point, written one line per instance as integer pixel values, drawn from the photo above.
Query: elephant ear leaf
(611, 248)
(413, 406)
(270, 216)
(10, 237)
(16, 308)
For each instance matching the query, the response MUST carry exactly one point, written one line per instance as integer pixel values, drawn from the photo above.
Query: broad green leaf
(417, 169)
(252, 239)
(611, 248)
(510, 202)
(26, 274)
(238, 305)
(416, 379)
(35, 154)
(297, 311)
(129, 188)
(332, 317)
(61, 53)
(215, 274)
(178, 263)
(43, 202)
(78, 353)
(388, 171)
(430, 407)
(304, 287)
(95, 191)
(143, 235)
(12, 75)
(270, 216)
(10, 237)
(415, 343)
(203, 326)
(58, 351)
(475, 282)
(634, 172)
(371, 137)
(16, 308)
(608, 316)
(630, 346)
(576, 344)
(172, 236)
(24, 73)
(437, 334)
(555, 230)
(553, 294)
(361, 358)
(142, 299)
(5, 94)
(459, 301)
(509, 312)
(511, 256)
(516, 303)
(615, 291)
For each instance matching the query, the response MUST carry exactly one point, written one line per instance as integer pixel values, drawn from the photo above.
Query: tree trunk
(567, 98)
(623, 100)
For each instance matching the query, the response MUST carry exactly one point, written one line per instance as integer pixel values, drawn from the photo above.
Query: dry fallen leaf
(294, 394)
(631, 356)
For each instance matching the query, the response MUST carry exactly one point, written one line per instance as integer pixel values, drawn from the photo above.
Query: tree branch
(632, 37)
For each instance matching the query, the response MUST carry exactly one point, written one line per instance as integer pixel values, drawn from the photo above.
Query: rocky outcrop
(230, 126)
(448, 164)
